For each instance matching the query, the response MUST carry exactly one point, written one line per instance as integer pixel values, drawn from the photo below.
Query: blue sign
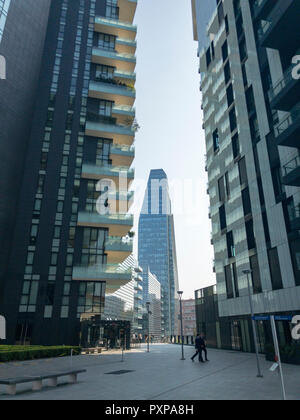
(277, 318)
(261, 318)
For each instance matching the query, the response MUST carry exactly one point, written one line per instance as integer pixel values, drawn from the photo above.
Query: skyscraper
(250, 103)
(157, 248)
(67, 243)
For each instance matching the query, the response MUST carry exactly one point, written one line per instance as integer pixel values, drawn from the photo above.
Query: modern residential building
(250, 108)
(154, 321)
(72, 217)
(157, 248)
(188, 317)
(23, 26)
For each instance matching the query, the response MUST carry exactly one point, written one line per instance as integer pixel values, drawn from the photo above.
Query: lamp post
(149, 313)
(180, 293)
(247, 273)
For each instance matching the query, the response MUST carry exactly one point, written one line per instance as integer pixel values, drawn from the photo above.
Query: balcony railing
(282, 83)
(288, 121)
(120, 148)
(115, 243)
(116, 22)
(110, 81)
(291, 166)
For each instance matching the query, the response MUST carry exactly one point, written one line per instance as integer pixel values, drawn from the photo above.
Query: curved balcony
(109, 273)
(115, 173)
(117, 224)
(106, 127)
(123, 62)
(123, 114)
(125, 46)
(109, 91)
(118, 28)
(118, 249)
(125, 77)
(122, 155)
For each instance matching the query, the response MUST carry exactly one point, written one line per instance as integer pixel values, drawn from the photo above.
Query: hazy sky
(168, 111)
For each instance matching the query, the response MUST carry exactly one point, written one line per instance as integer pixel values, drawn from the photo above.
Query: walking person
(200, 346)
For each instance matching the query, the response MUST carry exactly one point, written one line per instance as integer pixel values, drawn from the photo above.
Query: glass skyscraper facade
(156, 246)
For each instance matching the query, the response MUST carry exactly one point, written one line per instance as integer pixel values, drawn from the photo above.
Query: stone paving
(158, 375)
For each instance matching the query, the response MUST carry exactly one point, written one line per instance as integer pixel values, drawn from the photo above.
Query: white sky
(171, 136)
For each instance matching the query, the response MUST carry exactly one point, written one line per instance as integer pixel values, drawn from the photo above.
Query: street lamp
(247, 273)
(180, 293)
(149, 313)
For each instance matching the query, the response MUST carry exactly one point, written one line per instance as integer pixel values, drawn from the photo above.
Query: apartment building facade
(251, 165)
(73, 204)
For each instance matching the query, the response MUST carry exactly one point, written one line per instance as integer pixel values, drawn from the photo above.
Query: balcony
(118, 28)
(110, 273)
(123, 62)
(127, 10)
(262, 8)
(122, 155)
(115, 173)
(295, 218)
(284, 21)
(106, 127)
(291, 172)
(117, 224)
(285, 94)
(110, 91)
(125, 77)
(287, 131)
(118, 249)
(123, 114)
(125, 46)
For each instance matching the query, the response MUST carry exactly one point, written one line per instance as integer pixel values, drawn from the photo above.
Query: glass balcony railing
(287, 122)
(95, 218)
(115, 22)
(115, 243)
(113, 83)
(122, 149)
(115, 171)
(101, 272)
(291, 166)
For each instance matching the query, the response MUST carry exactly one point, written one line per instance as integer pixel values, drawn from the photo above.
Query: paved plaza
(158, 375)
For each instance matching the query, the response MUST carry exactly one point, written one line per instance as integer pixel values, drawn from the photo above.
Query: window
(230, 96)
(243, 50)
(228, 280)
(246, 202)
(256, 282)
(222, 195)
(230, 245)
(250, 235)
(107, 42)
(275, 269)
(235, 146)
(216, 140)
(222, 215)
(232, 120)
(227, 72)
(225, 51)
(243, 171)
(104, 72)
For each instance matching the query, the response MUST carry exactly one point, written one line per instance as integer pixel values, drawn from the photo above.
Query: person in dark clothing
(200, 346)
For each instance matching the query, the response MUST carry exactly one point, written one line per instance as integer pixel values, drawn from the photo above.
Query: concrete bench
(37, 381)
